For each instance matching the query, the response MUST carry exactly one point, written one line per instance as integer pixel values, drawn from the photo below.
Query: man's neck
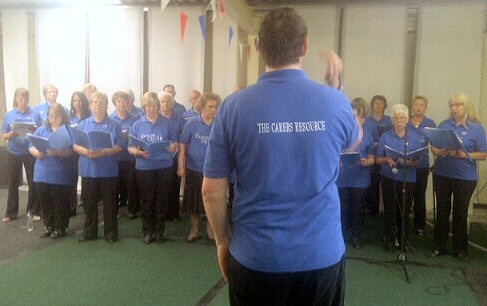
(291, 66)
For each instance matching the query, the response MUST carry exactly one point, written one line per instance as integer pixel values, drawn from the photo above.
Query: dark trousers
(373, 192)
(352, 211)
(392, 194)
(154, 194)
(419, 198)
(14, 179)
(127, 186)
(462, 191)
(55, 202)
(94, 189)
(316, 287)
(174, 190)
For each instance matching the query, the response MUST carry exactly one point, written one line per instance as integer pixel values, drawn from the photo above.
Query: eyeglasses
(455, 105)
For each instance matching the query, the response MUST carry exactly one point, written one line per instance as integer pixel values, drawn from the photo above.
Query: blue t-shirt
(43, 110)
(125, 125)
(137, 112)
(52, 169)
(377, 128)
(152, 132)
(106, 166)
(424, 160)
(393, 141)
(195, 135)
(473, 138)
(179, 109)
(19, 146)
(190, 114)
(177, 124)
(283, 136)
(356, 175)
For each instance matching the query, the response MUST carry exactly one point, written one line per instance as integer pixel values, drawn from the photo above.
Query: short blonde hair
(400, 109)
(120, 94)
(100, 96)
(422, 98)
(47, 87)
(151, 98)
(209, 96)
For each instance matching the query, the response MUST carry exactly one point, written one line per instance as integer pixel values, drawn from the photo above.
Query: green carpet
(177, 273)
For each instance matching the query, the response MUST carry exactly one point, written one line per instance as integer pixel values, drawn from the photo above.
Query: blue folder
(93, 140)
(157, 150)
(58, 140)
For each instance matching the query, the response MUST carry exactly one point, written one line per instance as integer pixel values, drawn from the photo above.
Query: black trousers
(14, 178)
(127, 186)
(419, 198)
(174, 191)
(373, 192)
(352, 211)
(55, 203)
(462, 191)
(392, 193)
(94, 189)
(316, 287)
(154, 195)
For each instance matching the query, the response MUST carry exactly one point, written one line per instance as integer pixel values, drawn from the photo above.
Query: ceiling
(32, 4)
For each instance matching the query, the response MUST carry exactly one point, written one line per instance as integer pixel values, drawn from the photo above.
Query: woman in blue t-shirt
(54, 175)
(153, 172)
(353, 181)
(397, 169)
(18, 153)
(192, 150)
(455, 173)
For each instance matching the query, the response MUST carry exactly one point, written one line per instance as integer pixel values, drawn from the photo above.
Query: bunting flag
(213, 8)
(184, 20)
(230, 36)
(164, 3)
(202, 19)
(222, 9)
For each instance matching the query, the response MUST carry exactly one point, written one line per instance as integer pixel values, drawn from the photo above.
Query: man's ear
(305, 48)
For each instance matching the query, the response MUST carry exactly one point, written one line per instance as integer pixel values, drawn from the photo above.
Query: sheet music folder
(445, 139)
(58, 140)
(395, 154)
(94, 140)
(157, 150)
(350, 157)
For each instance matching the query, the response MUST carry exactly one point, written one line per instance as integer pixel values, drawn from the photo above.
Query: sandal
(192, 238)
(36, 218)
(6, 219)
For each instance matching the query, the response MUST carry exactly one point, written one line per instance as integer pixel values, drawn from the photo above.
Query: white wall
(225, 57)
(374, 40)
(170, 60)
(321, 21)
(15, 53)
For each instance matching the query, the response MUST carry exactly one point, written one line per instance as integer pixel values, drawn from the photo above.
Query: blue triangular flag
(202, 19)
(230, 36)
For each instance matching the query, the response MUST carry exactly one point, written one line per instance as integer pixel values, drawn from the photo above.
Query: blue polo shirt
(153, 132)
(190, 114)
(125, 125)
(195, 135)
(357, 176)
(424, 160)
(393, 141)
(283, 136)
(19, 146)
(106, 166)
(177, 124)
(374, 126)
(473, 137)
(179, 109)
(54, 170)
(137, 112)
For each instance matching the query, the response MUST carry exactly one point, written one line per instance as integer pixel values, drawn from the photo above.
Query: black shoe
(437, 253)
(47, 233)
(149, 238)
(463, 257)
(58, 234)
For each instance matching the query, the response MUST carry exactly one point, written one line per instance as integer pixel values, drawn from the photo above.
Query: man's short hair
(281, 38)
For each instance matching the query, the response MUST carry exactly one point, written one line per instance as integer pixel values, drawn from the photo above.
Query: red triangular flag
(222, 8)
(184, 20)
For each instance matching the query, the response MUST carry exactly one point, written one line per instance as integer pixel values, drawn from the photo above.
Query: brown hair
(21, 91)
(281, 37)
(209, 96)
(61, 110)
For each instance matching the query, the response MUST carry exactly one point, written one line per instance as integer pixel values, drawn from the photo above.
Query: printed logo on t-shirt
(291, 127)
(152, 137)
(202, 138)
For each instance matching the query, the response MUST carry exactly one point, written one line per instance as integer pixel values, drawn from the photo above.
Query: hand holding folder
(22, 129)
(445, 140)
(350, 158)
(93, 140)
(157, 150)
